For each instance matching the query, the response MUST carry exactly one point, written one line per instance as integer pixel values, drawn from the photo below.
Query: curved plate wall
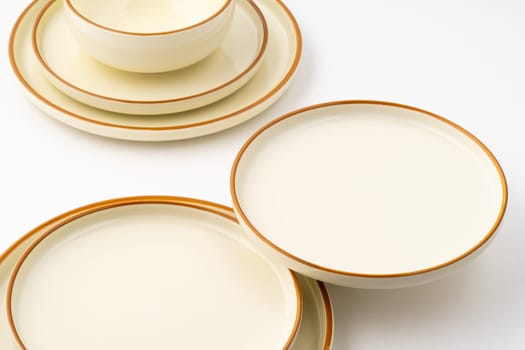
(368, 194)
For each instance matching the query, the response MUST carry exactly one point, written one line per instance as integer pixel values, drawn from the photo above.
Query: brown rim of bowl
(241, 214)
(90, 21)
(50, 226)
(257, 60)
(289, 74)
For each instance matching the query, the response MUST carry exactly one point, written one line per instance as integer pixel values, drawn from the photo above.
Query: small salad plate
(272, 78)
(143, 272)
(83, 78)
(368, 194)
(315, 331)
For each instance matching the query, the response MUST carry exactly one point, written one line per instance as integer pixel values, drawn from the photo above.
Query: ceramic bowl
(149, 37)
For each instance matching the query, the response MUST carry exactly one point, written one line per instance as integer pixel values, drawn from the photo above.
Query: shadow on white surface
(452, 310)
(406, 318)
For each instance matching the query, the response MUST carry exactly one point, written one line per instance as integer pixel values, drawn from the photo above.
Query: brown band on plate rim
(208, 19)
(283, 82)
(43, 63)
(327, 344)
(298, 112)
(70, 216)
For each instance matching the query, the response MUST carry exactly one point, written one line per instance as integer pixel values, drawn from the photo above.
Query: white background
(461, 59)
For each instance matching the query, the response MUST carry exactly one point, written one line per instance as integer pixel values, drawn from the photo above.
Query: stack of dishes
(188, 70)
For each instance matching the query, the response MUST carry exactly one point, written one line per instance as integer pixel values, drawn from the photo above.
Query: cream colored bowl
(149, 36)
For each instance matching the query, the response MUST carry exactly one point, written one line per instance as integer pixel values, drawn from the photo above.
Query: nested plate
(315, 331)
(368, 194)
(76, 74)
(264, 88)
(145, 272)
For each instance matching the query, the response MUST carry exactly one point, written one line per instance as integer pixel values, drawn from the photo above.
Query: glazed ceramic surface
(267, 85)
(101, 86)
(153, 16)
(315, 331)
(150, 271)
(368, 194)
(149, 37)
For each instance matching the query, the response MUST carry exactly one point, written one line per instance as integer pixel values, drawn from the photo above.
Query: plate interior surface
(315, 331)
(370, 189)
(151, 275)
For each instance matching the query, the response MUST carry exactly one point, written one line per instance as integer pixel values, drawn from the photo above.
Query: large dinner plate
(315, 331)
(162, 272)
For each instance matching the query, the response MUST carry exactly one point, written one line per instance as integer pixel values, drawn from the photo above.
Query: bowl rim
(251, 67)
(227, 4)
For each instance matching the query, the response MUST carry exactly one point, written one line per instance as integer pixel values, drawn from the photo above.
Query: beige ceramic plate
(143, 272)
(267, 85)
(315, 331)
(76, 74)
(368, 194)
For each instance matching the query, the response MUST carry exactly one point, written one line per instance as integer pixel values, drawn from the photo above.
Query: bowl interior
(152, 16)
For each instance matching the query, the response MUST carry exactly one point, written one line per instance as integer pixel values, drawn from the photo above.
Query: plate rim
(329, 314)
(39, 23)
(323, 269)
(33, 233)
(47, 228)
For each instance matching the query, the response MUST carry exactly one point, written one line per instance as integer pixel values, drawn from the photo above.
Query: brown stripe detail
(38, 54)
(221, 10)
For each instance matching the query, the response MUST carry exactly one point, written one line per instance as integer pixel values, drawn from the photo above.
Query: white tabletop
(463, 60)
